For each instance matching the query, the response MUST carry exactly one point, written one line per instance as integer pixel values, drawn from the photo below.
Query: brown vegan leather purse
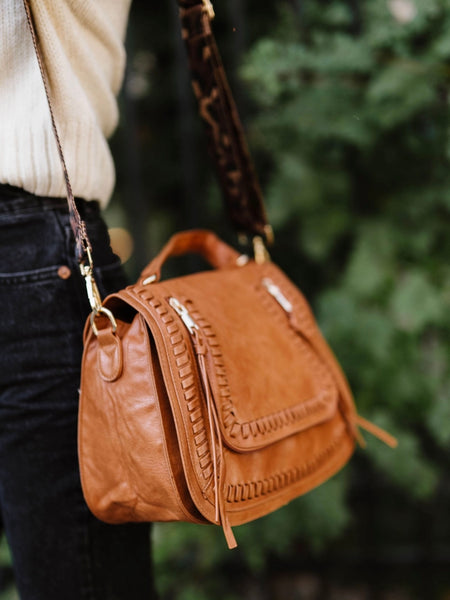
(213, 397)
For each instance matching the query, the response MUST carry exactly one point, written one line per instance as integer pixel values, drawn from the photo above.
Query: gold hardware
(104, 311)
(268, 236)
(260, 250)
(87, 272)
(93, 293)
(95, 299)
(209, 9)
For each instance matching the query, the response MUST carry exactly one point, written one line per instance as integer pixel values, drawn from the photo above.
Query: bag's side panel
(126, 467)
(315, 337)
(180, 376)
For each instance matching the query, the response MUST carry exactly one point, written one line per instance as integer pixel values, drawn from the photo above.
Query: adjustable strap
(217, 108)
(83, 246)
(225, 133)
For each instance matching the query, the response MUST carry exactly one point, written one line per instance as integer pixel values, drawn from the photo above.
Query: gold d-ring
(106, 312)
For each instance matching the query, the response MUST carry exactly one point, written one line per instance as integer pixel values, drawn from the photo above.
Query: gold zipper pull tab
(260, 251)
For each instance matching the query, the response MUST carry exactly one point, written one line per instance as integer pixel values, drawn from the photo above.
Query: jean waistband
(15, 200)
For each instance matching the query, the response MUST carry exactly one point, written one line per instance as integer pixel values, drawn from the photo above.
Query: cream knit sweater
(82, 44)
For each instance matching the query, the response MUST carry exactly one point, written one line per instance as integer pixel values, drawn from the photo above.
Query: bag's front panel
(269, 378)
(258, 483)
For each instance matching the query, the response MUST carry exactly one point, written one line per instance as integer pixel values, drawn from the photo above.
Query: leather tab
(376, 431)
(109, 355)
(229, 535)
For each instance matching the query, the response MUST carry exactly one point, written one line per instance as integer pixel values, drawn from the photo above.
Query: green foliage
(196, 552)
(9, 592)
(351, 116)
(349, 124)
(353, 107)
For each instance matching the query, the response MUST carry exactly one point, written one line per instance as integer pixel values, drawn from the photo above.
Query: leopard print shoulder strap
(226, 139)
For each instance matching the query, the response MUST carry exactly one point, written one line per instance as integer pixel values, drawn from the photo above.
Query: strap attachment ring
(107, 313)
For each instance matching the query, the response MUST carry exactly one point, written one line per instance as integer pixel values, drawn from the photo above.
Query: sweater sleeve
(82, 46)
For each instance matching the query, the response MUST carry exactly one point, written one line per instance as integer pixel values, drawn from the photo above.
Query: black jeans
(60, 551)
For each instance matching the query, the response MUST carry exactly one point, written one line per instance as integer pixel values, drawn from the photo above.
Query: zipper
(276, 293)
(200, 347)
(183, 312)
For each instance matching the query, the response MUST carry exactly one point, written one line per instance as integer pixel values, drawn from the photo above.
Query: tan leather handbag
(213, 397)
(210, 398)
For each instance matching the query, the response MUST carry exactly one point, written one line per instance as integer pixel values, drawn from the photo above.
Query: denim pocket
(40, 322)
(108, 272)
(32, 276)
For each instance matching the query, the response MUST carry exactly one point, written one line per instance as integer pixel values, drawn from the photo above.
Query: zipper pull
(183, 312)
(200, 346)
(275, 291)
(379, 433)
(190, 324)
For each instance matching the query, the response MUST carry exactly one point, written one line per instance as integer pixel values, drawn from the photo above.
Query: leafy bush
(351, 118)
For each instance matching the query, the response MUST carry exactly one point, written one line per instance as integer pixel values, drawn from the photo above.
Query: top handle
(198, 241)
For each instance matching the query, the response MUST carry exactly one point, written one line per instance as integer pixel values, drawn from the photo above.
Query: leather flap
(267, 379)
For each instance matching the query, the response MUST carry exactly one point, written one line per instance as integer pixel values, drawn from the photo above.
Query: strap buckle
(260, 251)
(87, 271)
(260, 245)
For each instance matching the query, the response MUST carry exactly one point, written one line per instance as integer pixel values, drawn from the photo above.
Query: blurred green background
(346, 106)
